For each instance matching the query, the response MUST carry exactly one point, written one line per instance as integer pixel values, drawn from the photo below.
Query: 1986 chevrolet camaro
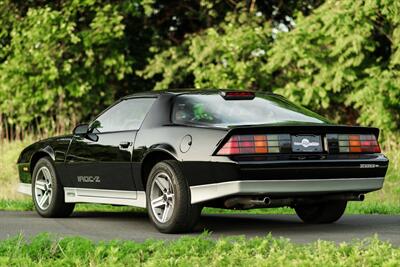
(175, 152)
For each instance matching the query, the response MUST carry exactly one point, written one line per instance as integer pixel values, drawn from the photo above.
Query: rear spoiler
(297, 129)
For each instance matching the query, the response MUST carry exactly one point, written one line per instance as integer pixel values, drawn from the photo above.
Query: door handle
(124, 144)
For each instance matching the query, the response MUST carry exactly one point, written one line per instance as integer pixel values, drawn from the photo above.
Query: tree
(342, 60)
(63, 61)
(227, 56)
(59, 64)
(344, 57)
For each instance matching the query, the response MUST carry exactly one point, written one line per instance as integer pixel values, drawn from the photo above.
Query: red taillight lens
(358, 143)
(251, 144)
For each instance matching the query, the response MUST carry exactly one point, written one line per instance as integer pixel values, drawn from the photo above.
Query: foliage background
(341, 60)
(63, 61)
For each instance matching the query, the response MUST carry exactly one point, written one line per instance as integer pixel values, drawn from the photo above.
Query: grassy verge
(43, 250)
(385, 201)
(9, 152)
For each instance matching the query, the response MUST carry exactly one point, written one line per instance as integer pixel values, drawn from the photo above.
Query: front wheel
(168, 199)
(47, 191)
(326, 212)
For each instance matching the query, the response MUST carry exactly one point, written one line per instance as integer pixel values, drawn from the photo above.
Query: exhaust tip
(361, 197)
(267, 201)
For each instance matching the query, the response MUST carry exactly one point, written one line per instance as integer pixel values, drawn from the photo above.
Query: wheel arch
(41, 153)
(150, 159)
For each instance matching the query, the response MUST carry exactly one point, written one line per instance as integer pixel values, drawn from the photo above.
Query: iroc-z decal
(89, 179)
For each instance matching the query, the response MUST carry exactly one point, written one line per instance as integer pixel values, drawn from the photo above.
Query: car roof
(182, 91)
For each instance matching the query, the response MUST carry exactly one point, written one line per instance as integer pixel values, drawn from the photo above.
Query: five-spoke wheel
(168, 199)
(43, 188)
(48, 192)
(162, 197)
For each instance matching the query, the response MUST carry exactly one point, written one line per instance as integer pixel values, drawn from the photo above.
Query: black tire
(326, 212)
(184, 215)
(57, 207)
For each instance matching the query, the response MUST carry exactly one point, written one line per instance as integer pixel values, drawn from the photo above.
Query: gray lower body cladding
(203, 193)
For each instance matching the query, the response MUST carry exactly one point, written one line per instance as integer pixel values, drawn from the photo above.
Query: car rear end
(284, 155)
(298, 161)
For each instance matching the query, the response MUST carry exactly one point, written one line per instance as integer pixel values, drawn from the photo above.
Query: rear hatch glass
(214, 110)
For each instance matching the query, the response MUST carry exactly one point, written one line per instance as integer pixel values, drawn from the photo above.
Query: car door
(103, 158)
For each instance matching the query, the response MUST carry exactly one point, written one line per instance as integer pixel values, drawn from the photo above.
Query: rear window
(212, 109)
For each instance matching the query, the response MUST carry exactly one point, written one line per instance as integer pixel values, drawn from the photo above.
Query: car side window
(125, 116)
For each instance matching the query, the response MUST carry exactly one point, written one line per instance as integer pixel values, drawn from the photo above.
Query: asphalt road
(136, 226)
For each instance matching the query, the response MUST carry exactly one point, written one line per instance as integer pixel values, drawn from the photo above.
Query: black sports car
(175, 152)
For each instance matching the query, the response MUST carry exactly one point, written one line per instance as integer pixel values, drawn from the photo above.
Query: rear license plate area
(306, 143)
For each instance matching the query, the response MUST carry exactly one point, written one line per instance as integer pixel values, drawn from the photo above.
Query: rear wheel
(326, 212)
(47, 191)
(168, 199)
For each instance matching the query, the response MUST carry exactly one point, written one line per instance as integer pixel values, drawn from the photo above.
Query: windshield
(212, 109)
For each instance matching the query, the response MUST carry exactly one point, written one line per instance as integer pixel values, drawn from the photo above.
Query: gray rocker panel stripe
(201, 193)
(104, 196)
(101, 196)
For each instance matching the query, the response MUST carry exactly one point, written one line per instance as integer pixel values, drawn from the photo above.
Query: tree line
(63, 61)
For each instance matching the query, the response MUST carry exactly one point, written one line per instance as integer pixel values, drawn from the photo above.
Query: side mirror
(81, 129)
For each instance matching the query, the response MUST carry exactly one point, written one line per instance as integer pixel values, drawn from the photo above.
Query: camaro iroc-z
(175, 152)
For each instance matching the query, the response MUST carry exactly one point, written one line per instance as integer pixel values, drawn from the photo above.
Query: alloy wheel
(162, 198)
(43, 188)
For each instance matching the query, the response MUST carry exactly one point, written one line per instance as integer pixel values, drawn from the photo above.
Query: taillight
(255, 144)
(353, 143)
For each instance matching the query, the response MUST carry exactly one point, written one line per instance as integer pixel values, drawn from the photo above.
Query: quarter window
(125, 116)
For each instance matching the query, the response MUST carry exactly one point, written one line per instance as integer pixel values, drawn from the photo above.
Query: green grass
(385, 201)
(45, 250)
(9, 152)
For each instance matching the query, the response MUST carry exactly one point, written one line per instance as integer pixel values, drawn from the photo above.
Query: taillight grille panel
(256, 144)
(353, 143)
(282, 143)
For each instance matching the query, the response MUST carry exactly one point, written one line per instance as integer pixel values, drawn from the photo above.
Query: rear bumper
(202, 193)
(223, 169)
